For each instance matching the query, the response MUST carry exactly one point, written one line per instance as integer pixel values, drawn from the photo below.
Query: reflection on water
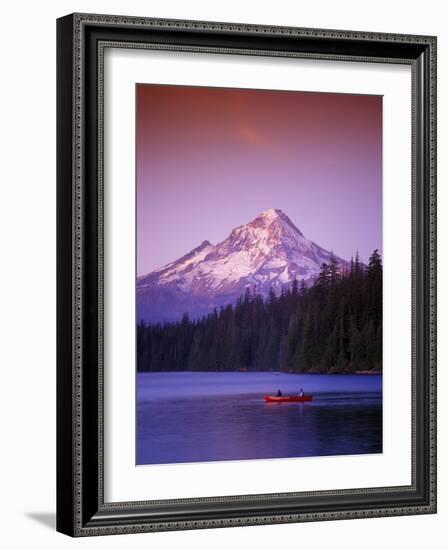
(200, 417)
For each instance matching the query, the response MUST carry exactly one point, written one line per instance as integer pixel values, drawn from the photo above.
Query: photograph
(246, 274)
(259, 262)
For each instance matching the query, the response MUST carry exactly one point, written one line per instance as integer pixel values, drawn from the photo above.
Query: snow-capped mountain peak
(275, 216)
(268, 252)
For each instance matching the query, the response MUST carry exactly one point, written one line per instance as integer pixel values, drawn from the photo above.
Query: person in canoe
(301, 394)
(279, 393)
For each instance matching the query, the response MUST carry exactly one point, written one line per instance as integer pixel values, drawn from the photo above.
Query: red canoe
(288, 398)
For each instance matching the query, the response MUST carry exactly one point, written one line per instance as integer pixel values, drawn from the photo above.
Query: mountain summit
(268, 252)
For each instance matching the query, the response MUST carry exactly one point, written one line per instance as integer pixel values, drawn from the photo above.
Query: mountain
(268, 252)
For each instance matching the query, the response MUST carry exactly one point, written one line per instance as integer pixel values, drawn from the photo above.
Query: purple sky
(209, 159)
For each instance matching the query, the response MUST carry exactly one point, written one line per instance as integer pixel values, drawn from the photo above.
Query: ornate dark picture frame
(81, 509)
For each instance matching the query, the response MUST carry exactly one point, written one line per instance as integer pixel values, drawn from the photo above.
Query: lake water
(202, 417)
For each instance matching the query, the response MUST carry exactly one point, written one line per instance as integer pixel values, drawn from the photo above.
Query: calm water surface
(202, 417)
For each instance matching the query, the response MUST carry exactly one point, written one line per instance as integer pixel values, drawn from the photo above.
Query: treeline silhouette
(333, 326)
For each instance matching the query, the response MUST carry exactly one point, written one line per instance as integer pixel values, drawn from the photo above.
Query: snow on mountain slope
(270, 251)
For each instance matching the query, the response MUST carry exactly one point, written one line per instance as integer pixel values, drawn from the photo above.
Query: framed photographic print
(246, 274)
